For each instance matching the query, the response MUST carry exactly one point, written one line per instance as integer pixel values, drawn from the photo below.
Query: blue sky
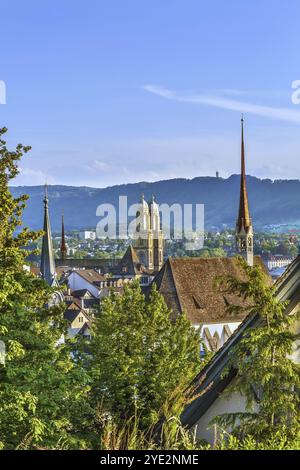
(116, 91)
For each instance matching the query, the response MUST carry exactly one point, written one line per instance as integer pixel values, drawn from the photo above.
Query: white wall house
(76, 281)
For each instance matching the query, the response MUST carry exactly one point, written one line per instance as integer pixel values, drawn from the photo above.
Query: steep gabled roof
(131, 263)
(80, 293)
(188, 285)
(70, 315)
(90, 275)
(82, 304)
(73, 305)
(166, 285)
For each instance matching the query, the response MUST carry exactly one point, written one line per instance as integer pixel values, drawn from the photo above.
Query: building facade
(148, 240)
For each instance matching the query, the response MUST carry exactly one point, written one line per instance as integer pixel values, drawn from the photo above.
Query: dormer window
(197, 303)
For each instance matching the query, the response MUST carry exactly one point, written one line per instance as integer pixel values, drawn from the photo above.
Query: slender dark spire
(244, 220)
(244, 229)
(63, 246)
(47, 266)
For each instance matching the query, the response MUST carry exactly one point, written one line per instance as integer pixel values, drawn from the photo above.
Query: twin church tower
(149, 239)
(148, 243)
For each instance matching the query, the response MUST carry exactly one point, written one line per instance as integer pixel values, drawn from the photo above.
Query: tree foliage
(267, 375)
(140, 354)
(40, 387)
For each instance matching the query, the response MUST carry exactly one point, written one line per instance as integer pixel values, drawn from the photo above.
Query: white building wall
(233, 404)
(87, 235)
(76, 282)
(216, 328)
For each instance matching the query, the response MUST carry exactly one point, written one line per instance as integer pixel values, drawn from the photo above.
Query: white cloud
(101, 165)
(29, 176)
(151, 159)
(283, 114)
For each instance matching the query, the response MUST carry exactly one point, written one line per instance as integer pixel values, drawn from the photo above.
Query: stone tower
(244, 229)
(158, 239)
(143, 239)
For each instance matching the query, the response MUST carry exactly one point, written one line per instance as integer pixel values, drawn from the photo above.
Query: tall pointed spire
(63, 246)
(47, 266)
(243, 217)
(244, 230)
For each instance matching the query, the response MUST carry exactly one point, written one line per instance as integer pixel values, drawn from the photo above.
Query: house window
(80, 319)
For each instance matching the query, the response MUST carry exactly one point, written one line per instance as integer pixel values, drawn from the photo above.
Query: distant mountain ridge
(271, 202)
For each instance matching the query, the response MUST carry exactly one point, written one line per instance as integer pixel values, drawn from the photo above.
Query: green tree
(40, 386)
(140, 354)
(266, 374)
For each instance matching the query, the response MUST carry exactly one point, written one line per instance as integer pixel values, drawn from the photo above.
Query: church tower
(47, 266)
(143, 238)
(244, 229)
(158, 239)
(63, 246)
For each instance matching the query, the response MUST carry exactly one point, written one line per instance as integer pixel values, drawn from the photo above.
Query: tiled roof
(73, 304)
(76, 302)
(188, 285)
(91, 275)
(130, 263)
(81, 293)
(60, 270)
